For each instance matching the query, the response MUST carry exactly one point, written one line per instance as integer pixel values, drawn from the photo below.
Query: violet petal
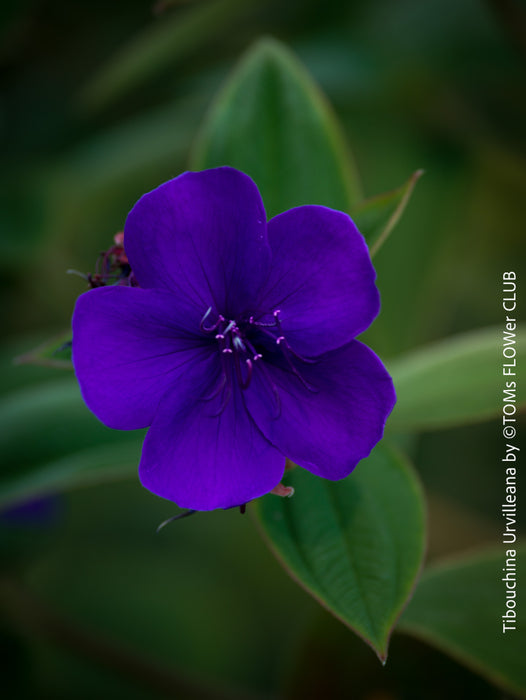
(329, 427)
(129, 346)
(205, 454)
(322, 279)
(203, 236)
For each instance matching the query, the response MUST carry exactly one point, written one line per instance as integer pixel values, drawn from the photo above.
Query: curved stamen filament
(305, 383)
(277, 324)
(210, 329)
(287, 352)
(243, 383)
(309, 361)
(255, 354)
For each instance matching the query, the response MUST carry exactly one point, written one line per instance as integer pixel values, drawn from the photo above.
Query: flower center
(241, 344)
(232, 341)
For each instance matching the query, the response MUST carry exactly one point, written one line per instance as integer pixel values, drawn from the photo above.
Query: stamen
(232, 340)
(295, 371)
(249, 372)
(243, 383)
(222, 340)
(260, 324)
(209, 329)
(238, 343)
(268, 333)
(246, 383)
(256, 355)
(282, 338)
(307, 360)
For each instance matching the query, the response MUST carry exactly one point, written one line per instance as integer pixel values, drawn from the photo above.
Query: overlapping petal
(203, 236)
(322, 279)
(129, 346)
(203, 454)
(329, 427)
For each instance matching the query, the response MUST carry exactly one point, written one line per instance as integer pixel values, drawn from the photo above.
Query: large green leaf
(272, 122)
(356, 545)
(377, 216)
(50, 442)
(458, 607)
(81, 468)
(457, 380)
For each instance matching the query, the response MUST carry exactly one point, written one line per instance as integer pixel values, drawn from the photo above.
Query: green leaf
(377, 216)
(458, 608)
(457, 380)
(81, 468)
(55, 352)
(272, 122)
(50, 442)
(165, 42)
(356, 545)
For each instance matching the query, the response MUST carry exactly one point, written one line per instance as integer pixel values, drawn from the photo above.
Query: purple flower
(237, 348)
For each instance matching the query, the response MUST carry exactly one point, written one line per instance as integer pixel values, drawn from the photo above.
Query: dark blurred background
(101, 102)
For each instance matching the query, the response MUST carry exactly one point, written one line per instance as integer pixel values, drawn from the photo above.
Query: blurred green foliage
(103, 101)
